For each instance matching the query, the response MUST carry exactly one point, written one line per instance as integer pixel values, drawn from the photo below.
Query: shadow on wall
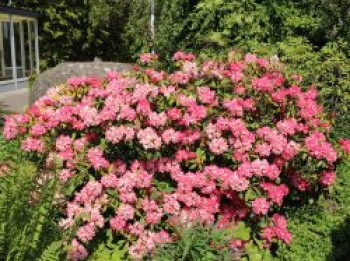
(3, 111)
(341, 243)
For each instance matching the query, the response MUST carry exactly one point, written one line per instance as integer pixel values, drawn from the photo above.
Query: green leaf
(242, 231)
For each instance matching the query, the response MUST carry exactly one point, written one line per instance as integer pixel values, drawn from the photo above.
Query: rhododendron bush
(212, 142)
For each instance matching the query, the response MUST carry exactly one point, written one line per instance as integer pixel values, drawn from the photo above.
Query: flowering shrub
(215, 142)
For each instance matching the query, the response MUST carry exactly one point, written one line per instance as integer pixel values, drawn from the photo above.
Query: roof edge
(16, 11)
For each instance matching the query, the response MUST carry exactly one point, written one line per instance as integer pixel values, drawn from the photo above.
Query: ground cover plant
(224, 143)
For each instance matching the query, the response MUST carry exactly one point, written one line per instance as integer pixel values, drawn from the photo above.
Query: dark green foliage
(170, 19)
(321, 231)
(28, 218)
(210, 243)
(52, 252)
(109, 247)
(219, 24)
(196, 243)
(79, 30)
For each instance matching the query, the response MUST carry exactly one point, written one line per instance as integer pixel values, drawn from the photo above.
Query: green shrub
(321, 231)
(328, 69)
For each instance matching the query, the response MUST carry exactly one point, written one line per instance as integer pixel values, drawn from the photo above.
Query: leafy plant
(27, 216)
(207, 243)
(197, 243)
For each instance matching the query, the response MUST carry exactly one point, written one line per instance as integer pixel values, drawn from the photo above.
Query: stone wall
(62, 72)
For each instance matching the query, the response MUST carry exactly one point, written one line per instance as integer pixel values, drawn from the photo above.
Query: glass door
(6, 61)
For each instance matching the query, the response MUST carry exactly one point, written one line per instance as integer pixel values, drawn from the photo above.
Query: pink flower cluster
(277, 231)
(345, 144)
(209, 142)
(318, 147)
(146, 58)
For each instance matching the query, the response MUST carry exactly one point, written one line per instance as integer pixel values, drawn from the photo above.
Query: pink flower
(263, 84)
(14, 125)
(79, 144)
(117, 223)
(125, 211)
(127, 113)
(37, 130)
(63, 143)
(90, 192)
(279, 220)
(95, 157)
(268, 233)
(260, 206)
(319, 148)
(218, 146)
(65, 174)
(157, 119)
(86, 233)
(276, 192)
(278, 230)
(171, 205)
(190, 68)
(66, 155)
(32, 144)
(115, 134)
(250, 58)
(136, 229)
(167, 90)
(262, 62)
(168, 136)
(77, 251)
(299, 182)
(146, 58)
(327, 178)
(345, 145)
(179, 78)
(110, 181)
(10, 128)
(154, 75)
(89, 116)
(206, 95)
(182, 155)
(149, 139)
(234, 106)
(284, 235)
(179, 55)
(197, 112)
(212, 131)
(174, 114)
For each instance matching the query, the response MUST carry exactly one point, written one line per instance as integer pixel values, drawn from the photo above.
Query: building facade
(19, 47)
